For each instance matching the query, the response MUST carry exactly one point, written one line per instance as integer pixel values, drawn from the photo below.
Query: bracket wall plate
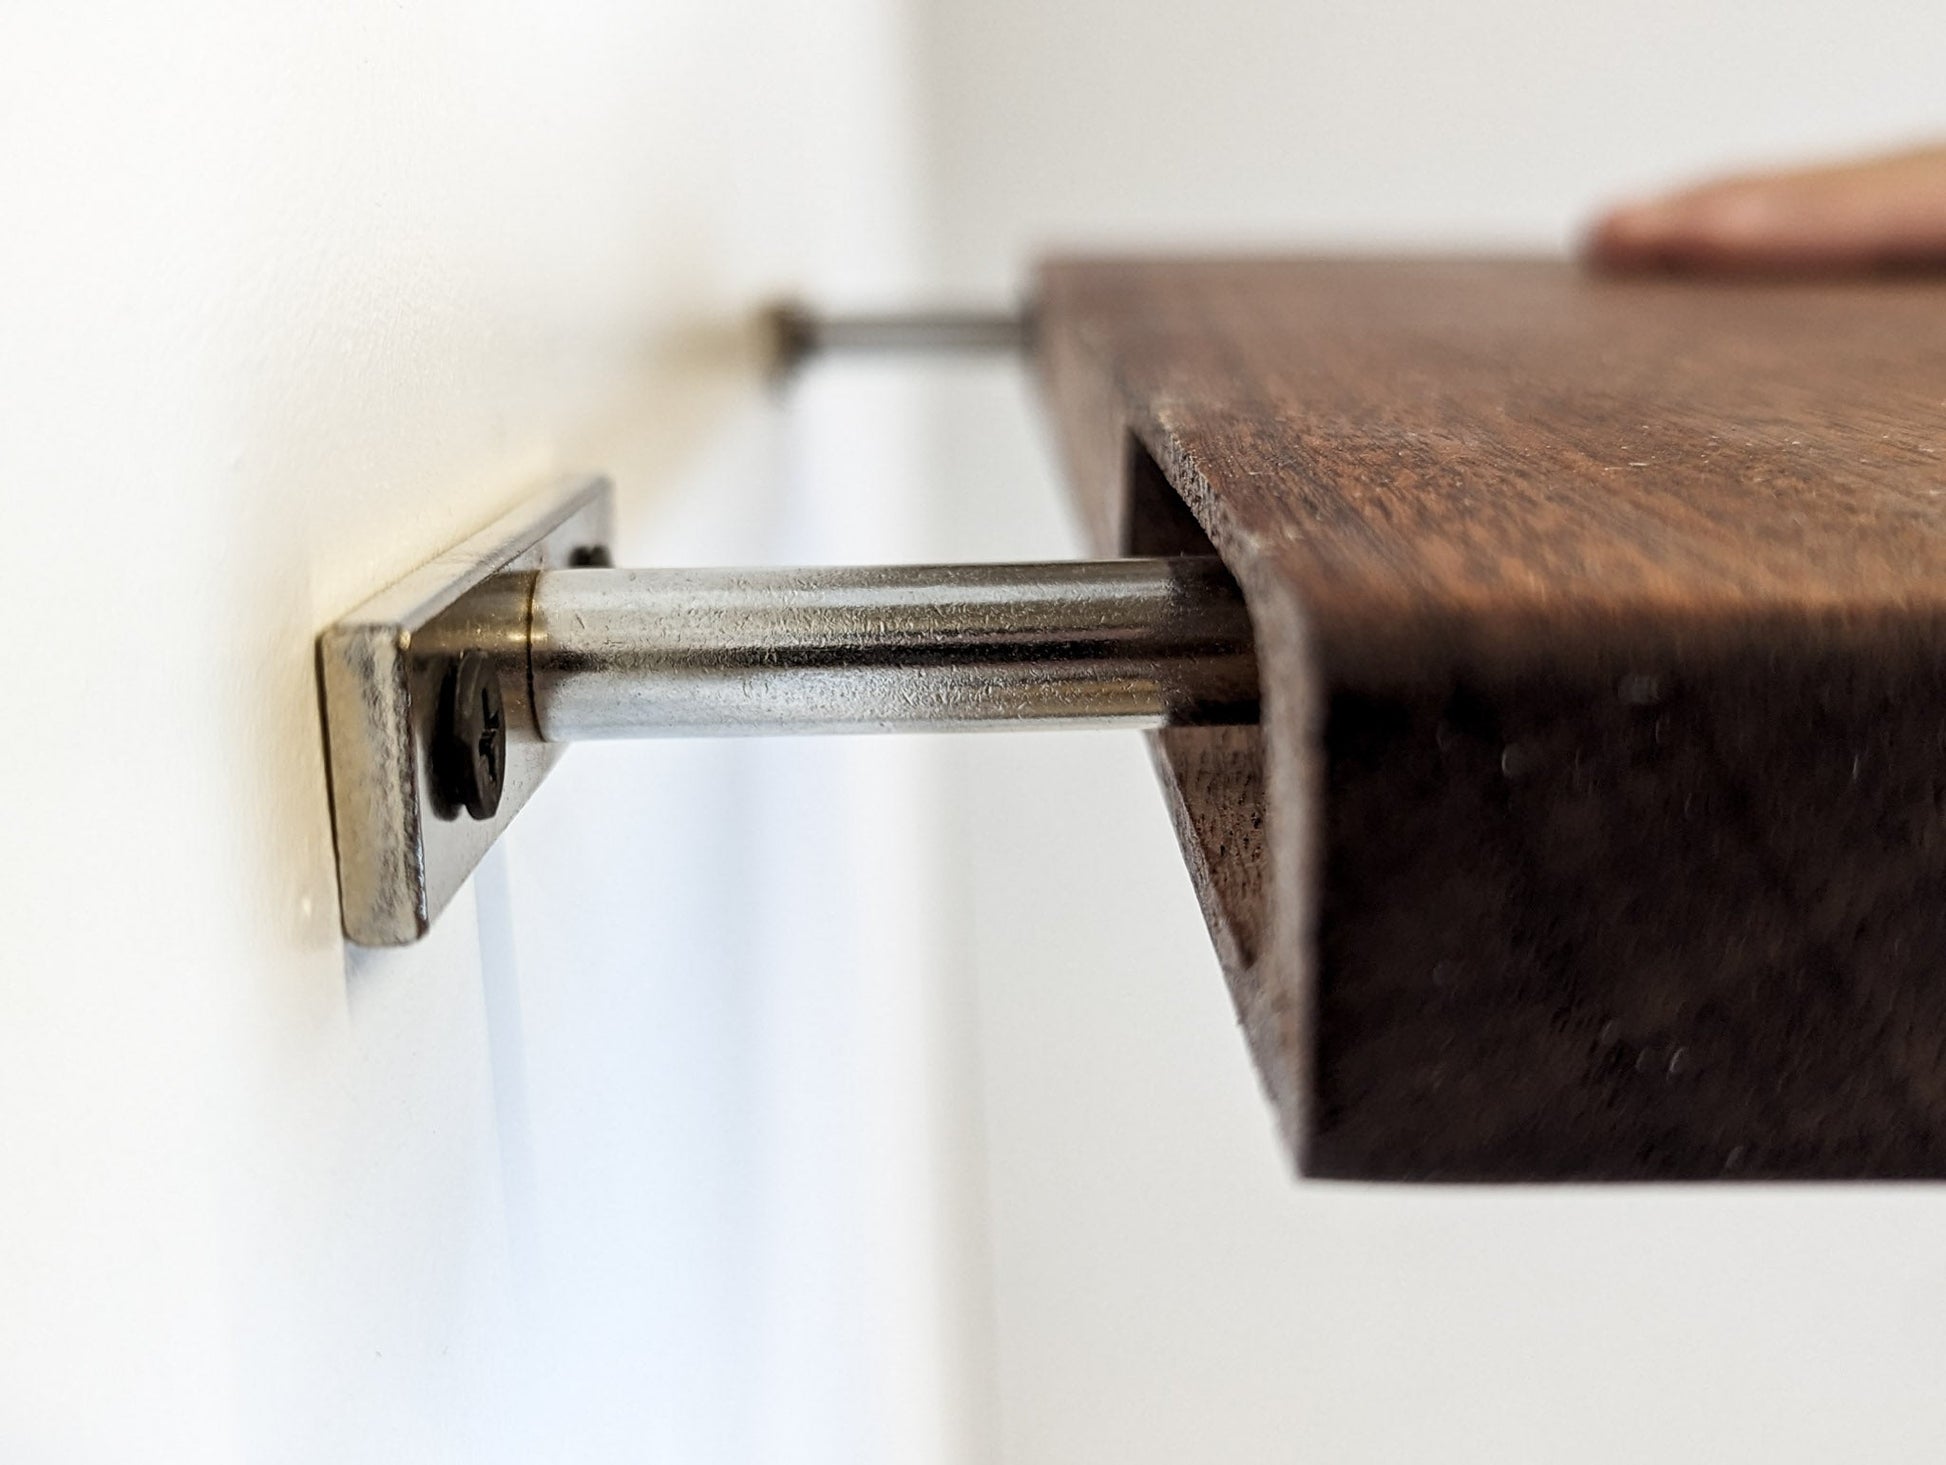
(448, 697)
(403, 849)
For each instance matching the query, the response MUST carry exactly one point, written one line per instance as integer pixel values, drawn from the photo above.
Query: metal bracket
(433, 738)
(405, 844)
(799, 332)
(448, 697)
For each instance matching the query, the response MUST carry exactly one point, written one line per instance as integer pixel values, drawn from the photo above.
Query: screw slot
(591, 557)
(469, 750)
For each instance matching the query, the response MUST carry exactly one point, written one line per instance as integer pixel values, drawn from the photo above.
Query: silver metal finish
(800, 332)
(401, 856)
(600, 653)
(709, 653)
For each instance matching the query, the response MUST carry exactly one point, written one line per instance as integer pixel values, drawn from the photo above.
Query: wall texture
(292, 297)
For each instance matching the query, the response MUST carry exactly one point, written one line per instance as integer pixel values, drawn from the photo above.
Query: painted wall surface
(291, 297)
(1163, 1291)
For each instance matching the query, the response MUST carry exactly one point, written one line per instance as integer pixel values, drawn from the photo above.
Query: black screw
(591, 557)
(469, 746)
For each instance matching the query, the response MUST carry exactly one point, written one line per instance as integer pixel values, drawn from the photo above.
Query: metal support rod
(704, 653)
(800, 331)
(448, 694)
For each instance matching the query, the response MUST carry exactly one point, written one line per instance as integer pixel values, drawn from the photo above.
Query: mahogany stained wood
(1596, 824)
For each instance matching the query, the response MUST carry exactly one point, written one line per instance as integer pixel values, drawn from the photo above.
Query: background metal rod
(706, 653)
(800, 331)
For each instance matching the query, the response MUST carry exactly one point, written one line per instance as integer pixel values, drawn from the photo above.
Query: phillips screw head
(469, 748)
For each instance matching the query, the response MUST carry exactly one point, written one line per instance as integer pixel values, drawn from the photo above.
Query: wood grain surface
(1596, 824)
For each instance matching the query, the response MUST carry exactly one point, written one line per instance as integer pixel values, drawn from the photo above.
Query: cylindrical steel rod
(704, 653)
(801, 331)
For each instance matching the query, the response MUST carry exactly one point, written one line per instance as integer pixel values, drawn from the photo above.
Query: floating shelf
(1596, 824)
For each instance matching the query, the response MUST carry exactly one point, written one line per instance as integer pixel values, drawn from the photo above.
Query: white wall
(291, 297)
(1502, 122)
(1163, 1291)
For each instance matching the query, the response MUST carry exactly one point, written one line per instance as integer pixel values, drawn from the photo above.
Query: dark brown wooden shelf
(1596, 824)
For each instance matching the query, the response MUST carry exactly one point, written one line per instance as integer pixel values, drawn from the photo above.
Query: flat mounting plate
(402, 854)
